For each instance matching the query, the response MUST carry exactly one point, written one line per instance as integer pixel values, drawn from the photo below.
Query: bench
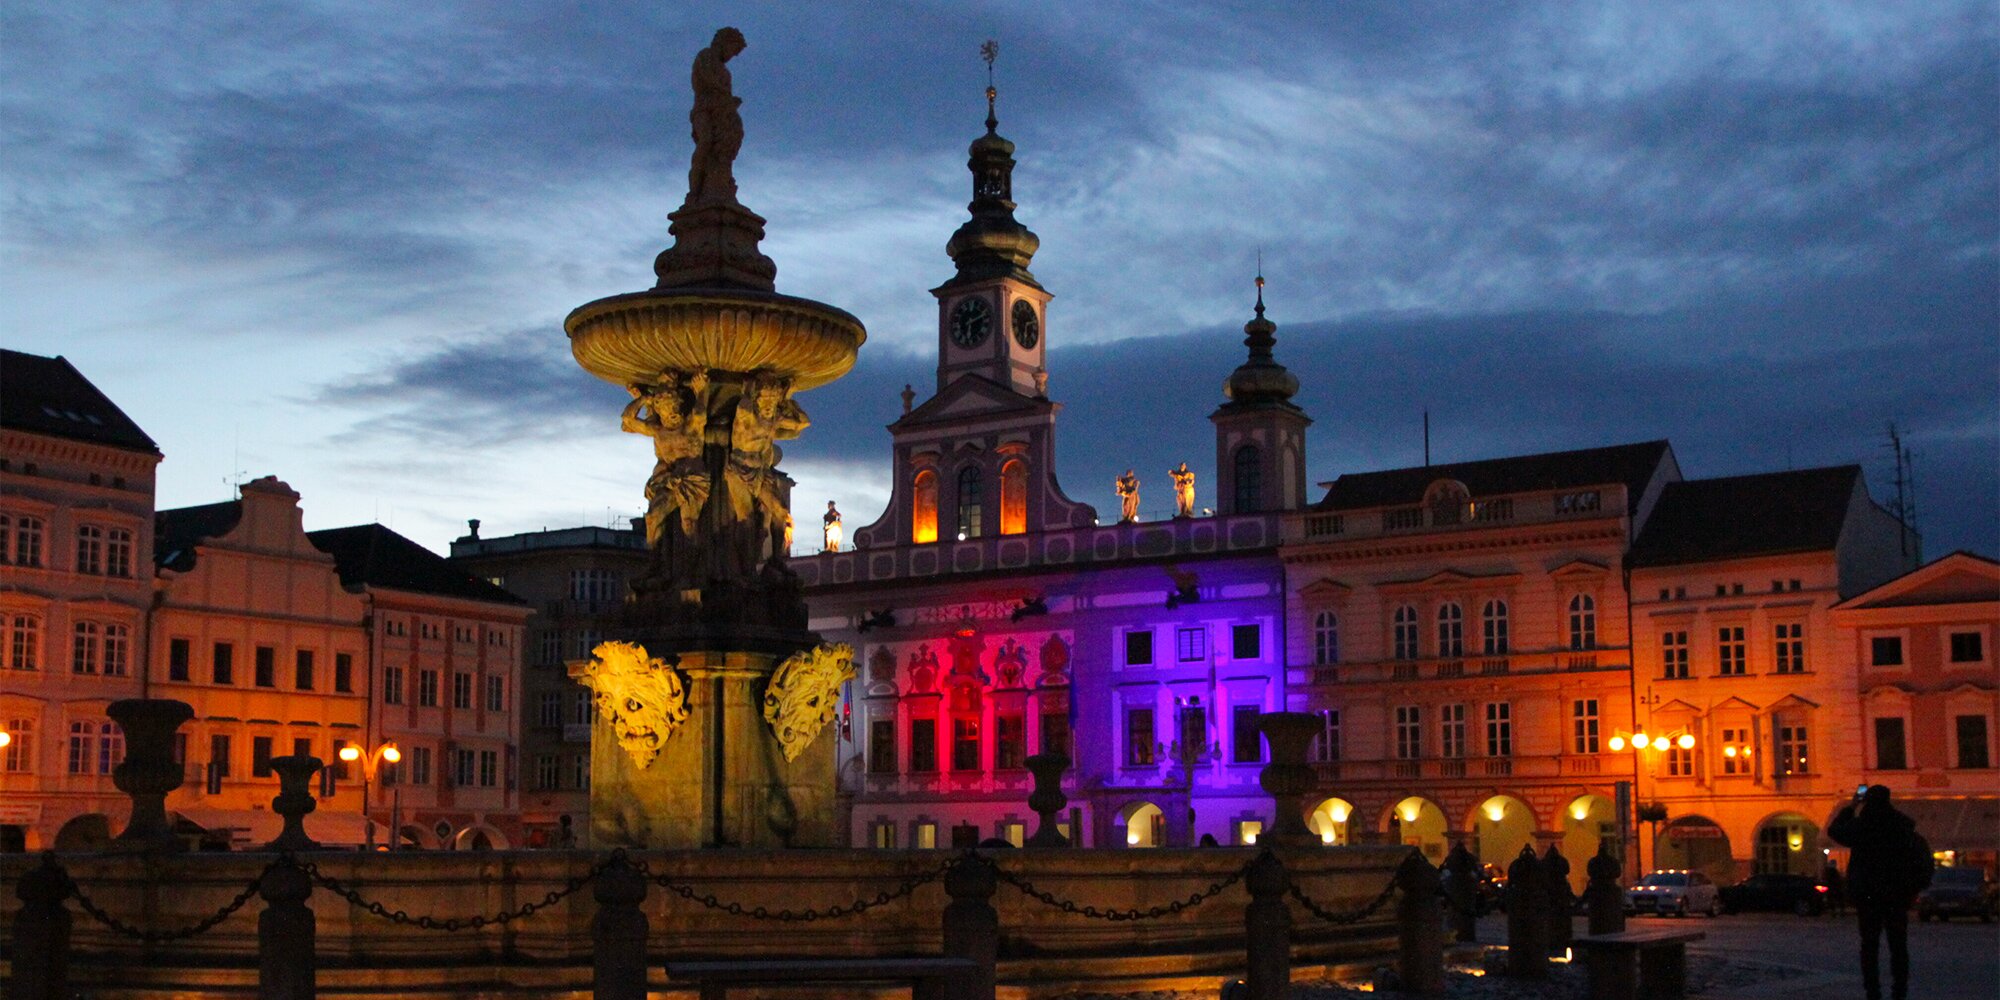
(927, 977)
(1638, 965)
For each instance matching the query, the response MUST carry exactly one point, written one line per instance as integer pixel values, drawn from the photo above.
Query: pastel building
(994, 617)
(76, 525)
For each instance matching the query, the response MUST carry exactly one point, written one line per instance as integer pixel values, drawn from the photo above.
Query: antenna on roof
(1427, 437)
(1906, 487)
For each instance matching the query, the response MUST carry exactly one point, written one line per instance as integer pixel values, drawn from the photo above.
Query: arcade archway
(1329, 821)
(1587, 821)
(1697, 843)
(1501, 826)
(1145, 825)
(1418, 822)
(1787, 844)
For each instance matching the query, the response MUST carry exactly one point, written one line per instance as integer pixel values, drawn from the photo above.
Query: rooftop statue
(718, 128)
(1128, 497)
(1183, 490)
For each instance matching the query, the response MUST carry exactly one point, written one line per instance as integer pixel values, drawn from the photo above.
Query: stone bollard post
(1555, 875)
(1603, 896)
(294, 800)
(971, 927)
(41, 934)
(1287, 778)
(1267, 925)
(1419, 926)
(1048, 800)
(1527, 918)
(1461, 886)
(618, 933)
(285, 936)
(148, 772)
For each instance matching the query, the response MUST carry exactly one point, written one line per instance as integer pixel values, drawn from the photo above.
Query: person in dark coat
(1883, 880)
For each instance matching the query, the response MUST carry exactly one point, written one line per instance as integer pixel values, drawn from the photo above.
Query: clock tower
(991, 314)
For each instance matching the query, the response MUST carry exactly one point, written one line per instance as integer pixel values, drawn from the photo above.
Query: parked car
(1800, 894)
(1676, 891)
(1959, 892)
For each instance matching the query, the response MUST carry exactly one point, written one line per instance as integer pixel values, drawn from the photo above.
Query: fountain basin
(629, 339)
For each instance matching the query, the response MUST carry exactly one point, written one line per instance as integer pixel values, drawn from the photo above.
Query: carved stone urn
(1288, 777)
(1048, 800)
(294, 800)
(148, 773)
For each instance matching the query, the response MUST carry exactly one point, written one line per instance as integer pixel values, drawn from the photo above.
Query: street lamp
(369, 762)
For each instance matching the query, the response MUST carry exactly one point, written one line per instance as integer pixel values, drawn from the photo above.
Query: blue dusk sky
(335, 242)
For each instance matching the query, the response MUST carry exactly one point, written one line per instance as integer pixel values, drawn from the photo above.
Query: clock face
(971, 321)
(1027, 329)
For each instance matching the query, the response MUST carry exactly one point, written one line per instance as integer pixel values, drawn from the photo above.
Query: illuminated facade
(444, 653)
(76, 529)
(574, 579)
(993, 617)
(254, 630)
(1930, 697)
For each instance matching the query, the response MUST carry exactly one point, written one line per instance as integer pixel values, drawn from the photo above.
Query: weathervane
(989, 50)
(1260, 281)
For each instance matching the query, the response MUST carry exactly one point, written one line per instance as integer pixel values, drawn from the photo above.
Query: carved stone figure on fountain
(758, 515)
(676, 418)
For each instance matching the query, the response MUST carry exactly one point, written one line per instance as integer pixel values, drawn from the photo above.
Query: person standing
(1888, 864)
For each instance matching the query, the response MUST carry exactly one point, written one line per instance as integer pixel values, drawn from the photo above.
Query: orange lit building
(254, 630)
(1732, 580)
(1929, 696)
(76, 526)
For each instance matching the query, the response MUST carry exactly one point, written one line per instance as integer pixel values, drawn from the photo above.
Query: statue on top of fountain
(715, 237)
(718, 127)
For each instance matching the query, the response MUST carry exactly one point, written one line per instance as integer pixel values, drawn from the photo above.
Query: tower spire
(1260, 378)
(992, 244)
(990, 51)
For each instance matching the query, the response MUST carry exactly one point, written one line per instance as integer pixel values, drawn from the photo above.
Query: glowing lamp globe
(350, 754)
(1686, 741)
(1617, 743)
(391, 754)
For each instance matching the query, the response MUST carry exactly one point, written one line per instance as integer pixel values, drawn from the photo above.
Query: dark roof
(372, 555)
(176, 532)
(1633, 465)
(1766, 514)
(49, 396)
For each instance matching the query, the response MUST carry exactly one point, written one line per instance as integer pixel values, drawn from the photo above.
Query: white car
(1675, 890)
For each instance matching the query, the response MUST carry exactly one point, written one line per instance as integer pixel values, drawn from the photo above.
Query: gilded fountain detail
(712, 357)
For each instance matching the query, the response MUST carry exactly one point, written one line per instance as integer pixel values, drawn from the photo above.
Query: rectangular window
(420, 766)
(461, 690)
(1326, 745)
(1451, 730)
(1735, 751)
(179, 653)
(923, 745)
(1973, 751)
(28, 542)
(21, 748)
(882, 746)
(266, 663)
(548, 772)
(882, 835)
(335, 764)
(1791, 648)
(1191, 644)
(964, 744)
(579, 772)
(118, 552)
(224, 663)
(1583, 725)
(1247, 743)
(464, 768)
(1139, 648)
(427, 688)
(583, 710)
(926, 838)
(1730, 660)
(489, 768)
(24, 645)
(218, 753)
(83, 651)
(1409, 732)
(1499, 729)
(302, 746)
(593, 585)
(551, 645)
(79, 747)
(1246, 642)
(90, 550)
(1680, 762)
(548, 709)
(1055, 733)
(1140, 737)
(1792, 749)
(1885, 651)
(302, 670)
(1191, 725)
(1890, 751)
(260, 756)
(1010, 741)
(1674, 656)
(1968, 647)
(392, 685)
(117, 650)
(496, 694)
(343, 672)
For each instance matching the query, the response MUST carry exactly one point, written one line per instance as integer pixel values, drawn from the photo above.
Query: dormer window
(1447, 500)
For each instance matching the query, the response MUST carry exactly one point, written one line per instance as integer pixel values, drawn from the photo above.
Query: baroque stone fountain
(712, 696)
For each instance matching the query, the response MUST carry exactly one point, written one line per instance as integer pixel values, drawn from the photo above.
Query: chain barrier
(1134, 913)
(787, 915)
(156, 937)
(476, 922)
(1343, 918)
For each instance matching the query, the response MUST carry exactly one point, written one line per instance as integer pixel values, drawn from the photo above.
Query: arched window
(1582, 622)
(1326, 638)
(1406, 633)
(971, 505)
(1014, 497)
(1451, 629)
(924, 507)
(1493, 627)
(1249, 479)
